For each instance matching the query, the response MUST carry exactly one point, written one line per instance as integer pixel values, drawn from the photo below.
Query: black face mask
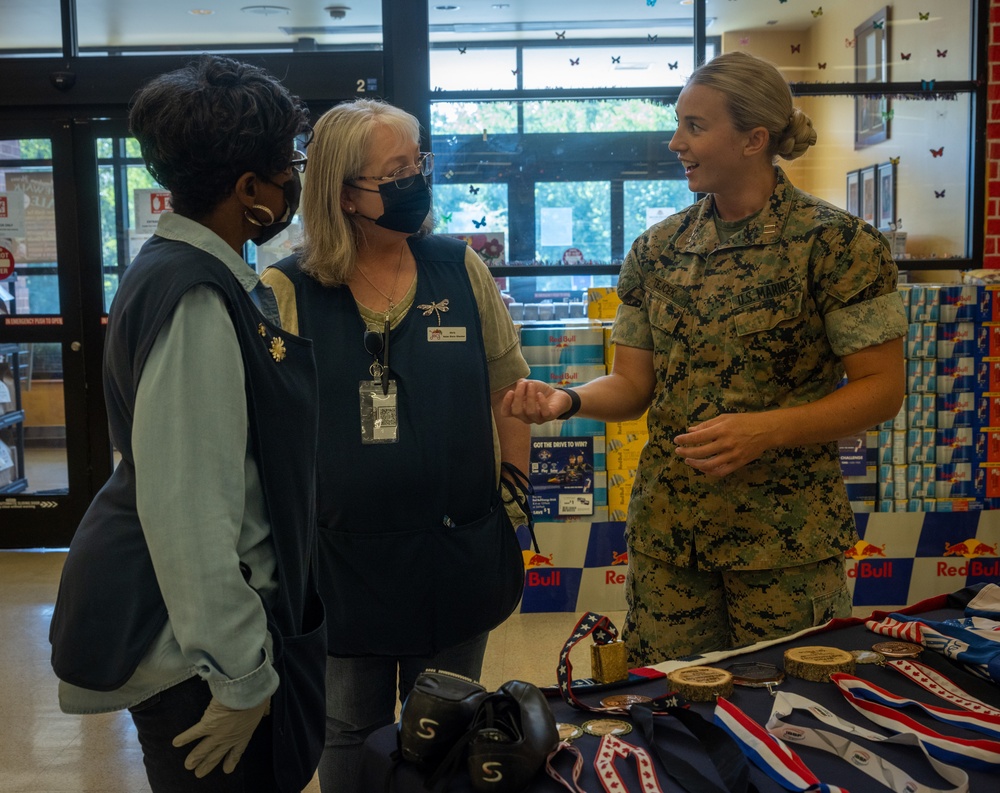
(292, 190)
(403, 209)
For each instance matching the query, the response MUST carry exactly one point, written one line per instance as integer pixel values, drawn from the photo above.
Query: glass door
(54, 449)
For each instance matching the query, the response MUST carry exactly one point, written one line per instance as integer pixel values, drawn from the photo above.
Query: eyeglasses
(299, 161)
(403, 177)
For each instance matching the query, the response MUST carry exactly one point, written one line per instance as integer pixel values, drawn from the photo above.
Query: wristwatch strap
(574, 406)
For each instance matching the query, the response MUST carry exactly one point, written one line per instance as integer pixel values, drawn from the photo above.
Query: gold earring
(252, 219)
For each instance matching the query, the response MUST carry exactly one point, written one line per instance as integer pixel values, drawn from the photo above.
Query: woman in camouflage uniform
(740, 317)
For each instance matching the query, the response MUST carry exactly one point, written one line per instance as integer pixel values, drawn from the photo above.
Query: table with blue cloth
(382, 773)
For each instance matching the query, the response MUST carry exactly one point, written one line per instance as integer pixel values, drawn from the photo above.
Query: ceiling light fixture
(201, 12)
(265, 11)
(446, 8)
(337, 12)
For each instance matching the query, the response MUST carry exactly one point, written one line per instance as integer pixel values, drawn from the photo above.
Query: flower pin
(277, 349)
(436, 308)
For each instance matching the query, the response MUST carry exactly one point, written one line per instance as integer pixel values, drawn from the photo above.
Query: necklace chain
(391, 296)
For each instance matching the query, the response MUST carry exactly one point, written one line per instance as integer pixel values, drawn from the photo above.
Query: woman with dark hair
(188, 593)
(741, 317)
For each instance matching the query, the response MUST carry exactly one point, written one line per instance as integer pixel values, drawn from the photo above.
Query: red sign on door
(6, 263)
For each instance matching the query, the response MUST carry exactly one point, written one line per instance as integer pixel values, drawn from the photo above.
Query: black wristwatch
(574, 405)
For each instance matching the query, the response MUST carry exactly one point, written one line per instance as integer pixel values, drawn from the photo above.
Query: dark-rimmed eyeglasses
(299, 161)
(403, 177)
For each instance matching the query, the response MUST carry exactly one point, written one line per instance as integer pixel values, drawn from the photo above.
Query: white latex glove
(225, 733)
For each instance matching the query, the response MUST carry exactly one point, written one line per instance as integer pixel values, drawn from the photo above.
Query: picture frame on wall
(853, 203)
(885, 216)
(869, 194)
(871, 65)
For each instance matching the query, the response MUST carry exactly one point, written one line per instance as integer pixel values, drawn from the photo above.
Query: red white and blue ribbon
(612, 747)
(863, 759)
(771, 755)
(939, 685)
(873, 703)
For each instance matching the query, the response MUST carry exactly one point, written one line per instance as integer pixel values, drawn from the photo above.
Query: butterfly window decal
(878, 24)
(896, 225)
(905, 55)
(796, 48)
(473, 189)
(560, 35)
(924, 17)
(479, 223)
(935, 153)
(927, 85)
(888, 114)
(942, 53)
(461, 50)
(744, 41)
(939, 193)
(672, 65)
(616, 58)
(651, 3)
(817, 12)
(850, 42)
(446, 217)
(821, 65)
(574, 61)
(894, 160)
(652, 36)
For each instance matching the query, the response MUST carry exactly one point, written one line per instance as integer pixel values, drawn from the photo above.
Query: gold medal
(600, 727)
(898, 649)
(624, 700)
(568, 732)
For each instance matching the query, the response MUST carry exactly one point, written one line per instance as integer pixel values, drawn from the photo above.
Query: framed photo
(853, 204)
(871, 65)
(885, 216)
(869, 194)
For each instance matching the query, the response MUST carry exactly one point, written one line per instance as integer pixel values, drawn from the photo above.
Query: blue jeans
(163, 716)
(361, 697)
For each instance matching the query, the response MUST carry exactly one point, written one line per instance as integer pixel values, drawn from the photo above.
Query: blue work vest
(416, 551)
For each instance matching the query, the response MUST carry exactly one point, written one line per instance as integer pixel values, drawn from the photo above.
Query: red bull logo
(619, 558)
(532, 559)
(867, 567)
(972, 550)
(864, 550)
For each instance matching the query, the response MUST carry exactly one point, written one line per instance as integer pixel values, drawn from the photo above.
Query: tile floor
(43, 750)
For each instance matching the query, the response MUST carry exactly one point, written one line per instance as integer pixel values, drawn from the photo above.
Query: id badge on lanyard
(379, 418)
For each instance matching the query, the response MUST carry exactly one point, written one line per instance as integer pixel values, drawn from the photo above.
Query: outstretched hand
(535, 402)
